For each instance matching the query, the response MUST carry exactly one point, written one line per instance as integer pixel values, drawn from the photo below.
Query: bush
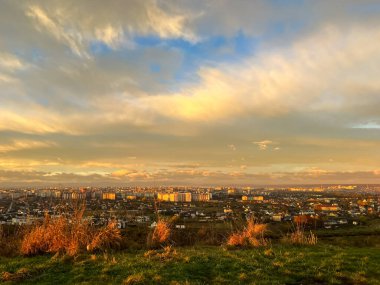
(106, 238)
(251, 235)
(64, 236)
(160, 235)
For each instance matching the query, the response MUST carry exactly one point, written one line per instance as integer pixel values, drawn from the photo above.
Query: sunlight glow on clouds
(175, 92)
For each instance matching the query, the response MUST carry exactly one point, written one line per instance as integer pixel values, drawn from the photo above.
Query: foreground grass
(280, 264)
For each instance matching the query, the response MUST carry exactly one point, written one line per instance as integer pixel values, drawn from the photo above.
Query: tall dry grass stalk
(160, 235)
(298, 236)
(68, 236)
(105, 238)
(251, 235)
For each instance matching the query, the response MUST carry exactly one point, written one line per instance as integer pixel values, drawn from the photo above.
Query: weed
(251, 235)
(106, 238)
(64, 236)
(160, 235)
(167, 253)
(134, 279)
(298, 236)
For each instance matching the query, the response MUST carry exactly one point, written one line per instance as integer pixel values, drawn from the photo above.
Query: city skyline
(189, 92)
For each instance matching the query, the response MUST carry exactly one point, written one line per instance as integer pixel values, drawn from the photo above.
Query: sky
(175, 92)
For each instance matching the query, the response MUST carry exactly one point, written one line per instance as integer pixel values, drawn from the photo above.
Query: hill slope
(280, 264)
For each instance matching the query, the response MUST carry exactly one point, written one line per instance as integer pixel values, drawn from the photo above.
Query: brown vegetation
(72, 234)
(10, 240)
(134, 279)
(21, 274)
(167, 253)
(251, 235)
(105, 238)
(160, 235)
(65, 236)
(298, 236)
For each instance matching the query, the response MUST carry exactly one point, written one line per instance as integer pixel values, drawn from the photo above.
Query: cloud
(54, 27)
(24, 144)
(263, 145)
(369, 125)
(115, 26)
(33, 121)
(301, 78)
(232, 147)
(141, 79)
(131, 174)
(7, 79)
(188, 177)
(111, 36)
(10, 62)
(9, 65)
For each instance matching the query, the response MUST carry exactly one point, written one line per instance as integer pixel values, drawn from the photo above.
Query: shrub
(251, 235)
(64, 236)
(53, 236)
(160, 235)
(106, 238)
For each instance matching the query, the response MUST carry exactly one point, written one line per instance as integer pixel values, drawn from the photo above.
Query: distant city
(327, 206)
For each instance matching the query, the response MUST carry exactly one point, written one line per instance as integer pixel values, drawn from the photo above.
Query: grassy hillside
(279, 264)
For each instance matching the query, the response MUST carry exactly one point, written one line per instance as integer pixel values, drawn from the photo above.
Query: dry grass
(106, 238)
(160, 235)
(251, 235)
(10, 240)
(167, 253)
(21, 274)
(134, 279)
(57, 236)
(299, 237)
(65, 236)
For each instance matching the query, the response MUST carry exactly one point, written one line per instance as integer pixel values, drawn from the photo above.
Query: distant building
(277, 218)
(327, 208)
(163, 197)
(109, 196)
(252, 198)
(78, 195)
(175, 197)
(201, 197)
(131, 197)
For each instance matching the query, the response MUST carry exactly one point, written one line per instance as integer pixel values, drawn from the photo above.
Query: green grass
(280, 264)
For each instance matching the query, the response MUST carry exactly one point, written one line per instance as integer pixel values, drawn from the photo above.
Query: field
(277, 264)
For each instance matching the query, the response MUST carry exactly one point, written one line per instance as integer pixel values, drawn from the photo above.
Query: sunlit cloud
(370, 125)
(196, 92)
(184, 177)
(263, 145)
(112, 36)
(10, 62)
(24, 144)
(55, 28)
(232, 147)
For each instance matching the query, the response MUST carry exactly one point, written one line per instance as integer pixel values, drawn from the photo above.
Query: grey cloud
(304, 88)
(184, 177)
